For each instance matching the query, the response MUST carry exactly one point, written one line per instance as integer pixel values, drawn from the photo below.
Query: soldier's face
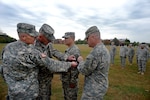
(91, 41)
(68, 41)
(43, 39)
(27, 38)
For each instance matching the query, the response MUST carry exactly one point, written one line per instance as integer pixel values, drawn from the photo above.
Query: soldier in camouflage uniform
(70, 79)
(137, 53)
(45, 76)
(95, 67)
(123, 55)
(112, 52)
(130, 53)
(44, 45)
(142, 59)
(20, 65)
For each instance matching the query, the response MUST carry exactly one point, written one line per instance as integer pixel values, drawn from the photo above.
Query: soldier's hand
(43, 55)
(71, 58)
(74, 64)
(80, 58)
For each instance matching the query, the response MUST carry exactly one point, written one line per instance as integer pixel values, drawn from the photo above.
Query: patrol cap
(91, 30)
(69, 34)
(47, 31)
(27, 28)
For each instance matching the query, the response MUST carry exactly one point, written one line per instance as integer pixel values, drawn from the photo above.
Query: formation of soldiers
(27, 65)
(142, 53)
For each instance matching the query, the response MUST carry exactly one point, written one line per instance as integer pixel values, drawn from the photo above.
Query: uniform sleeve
(88, 66)
(8, 55)
(54, 52)
(56, 66)
(34, 58)
(59, 55)
(0, 69)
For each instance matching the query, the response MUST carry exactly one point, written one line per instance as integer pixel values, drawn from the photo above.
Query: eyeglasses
(66, 38)
(87, 38)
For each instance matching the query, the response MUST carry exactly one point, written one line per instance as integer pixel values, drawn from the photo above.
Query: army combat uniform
(70, 78)
(142, 59)
(131, 53)
(21, 72)
(123, 55)
(20, 67)
(112, 52)
(45, 76)
(95, 69)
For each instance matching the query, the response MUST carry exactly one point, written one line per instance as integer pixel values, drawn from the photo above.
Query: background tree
(6, 39)
(79, 41)
(116, 41)
(127, 41)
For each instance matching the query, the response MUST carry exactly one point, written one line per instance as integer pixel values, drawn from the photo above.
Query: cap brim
(65, 36)
(34, 34)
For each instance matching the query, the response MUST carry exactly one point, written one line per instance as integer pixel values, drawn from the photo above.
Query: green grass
(124, 84)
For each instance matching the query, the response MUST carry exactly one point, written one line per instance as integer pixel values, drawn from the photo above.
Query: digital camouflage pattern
(20, 70)
(123, 55)
(69, 34)
(143, 56)
(112, 52)
(131, 53)
(91, 30)
(45, 76)
(70, 79)
(27, 28)
(95, 69)
(137, 53)
(47, 31)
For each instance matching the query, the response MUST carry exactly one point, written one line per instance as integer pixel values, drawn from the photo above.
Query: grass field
(124, 84)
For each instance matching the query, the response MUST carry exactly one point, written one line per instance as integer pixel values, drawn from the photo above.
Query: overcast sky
(115, 18)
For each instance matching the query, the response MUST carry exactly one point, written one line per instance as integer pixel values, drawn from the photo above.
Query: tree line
(6, 39)
(116, 41)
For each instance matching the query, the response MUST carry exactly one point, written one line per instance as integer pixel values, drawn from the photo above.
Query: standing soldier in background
(95, 68)
(123, 54)
(142, 59)
(112, 52)
(130, 53)
(137, 53)
(70, 78)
